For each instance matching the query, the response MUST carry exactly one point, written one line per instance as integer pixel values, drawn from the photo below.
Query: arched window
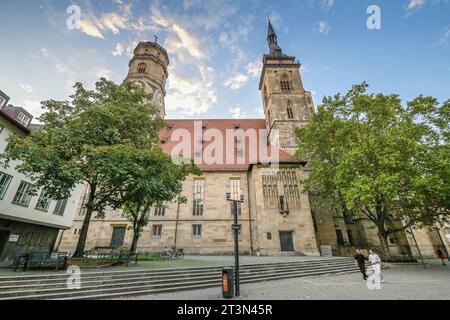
(285, 84)
(265, 95)
(141, 68)
(290, 112)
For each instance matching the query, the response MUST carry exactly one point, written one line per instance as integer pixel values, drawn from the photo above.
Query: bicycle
(172, 253)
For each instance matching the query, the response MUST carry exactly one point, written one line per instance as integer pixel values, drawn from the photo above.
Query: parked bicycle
(172, 253)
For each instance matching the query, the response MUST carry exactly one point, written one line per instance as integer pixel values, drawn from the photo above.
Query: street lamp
(236, 227)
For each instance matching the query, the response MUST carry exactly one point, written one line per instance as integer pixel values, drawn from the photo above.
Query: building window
(23, 194)
(84, 202)
(5, 179)
(44, 239)
(2, 101)
(43, 202)
(60, 207)
(22, 240)
(340, 237)
(199, 193)
(1, 127)
(266, 96)
(285, 84)
(197, 230)
(24, 119)
(283, 204)
(141, 68)
(281, 190)
(269, 236)
(157, 230)
(290, 112)
(160, 212)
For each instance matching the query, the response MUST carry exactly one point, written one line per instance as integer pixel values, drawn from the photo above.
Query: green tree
(78, 141)
(370, 156)
(152, 179)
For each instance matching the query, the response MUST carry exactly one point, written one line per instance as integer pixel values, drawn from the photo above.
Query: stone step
(19, 288)
(139, 288)
(157, 272)
(98, 273)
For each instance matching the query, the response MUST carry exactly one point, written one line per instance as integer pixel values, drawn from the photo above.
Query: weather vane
(156, 38)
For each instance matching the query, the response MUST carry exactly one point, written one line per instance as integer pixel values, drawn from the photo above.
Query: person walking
(376, 265)
(360, 261)
(441, 256)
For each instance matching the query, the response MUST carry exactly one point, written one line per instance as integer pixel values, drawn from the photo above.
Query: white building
(27, 223)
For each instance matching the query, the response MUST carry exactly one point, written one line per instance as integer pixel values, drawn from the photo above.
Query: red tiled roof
(195, 130)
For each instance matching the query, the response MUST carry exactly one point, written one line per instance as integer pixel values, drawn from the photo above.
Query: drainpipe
(250, 214)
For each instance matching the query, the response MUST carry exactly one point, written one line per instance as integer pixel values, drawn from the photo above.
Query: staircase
(113, 284)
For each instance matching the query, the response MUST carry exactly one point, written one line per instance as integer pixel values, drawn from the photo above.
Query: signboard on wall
(326, 251)
(13, 238)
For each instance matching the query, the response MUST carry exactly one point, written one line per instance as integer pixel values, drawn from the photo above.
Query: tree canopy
(373, 157)
(79, 140)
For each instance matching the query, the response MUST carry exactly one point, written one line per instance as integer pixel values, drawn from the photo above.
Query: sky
(216, 48)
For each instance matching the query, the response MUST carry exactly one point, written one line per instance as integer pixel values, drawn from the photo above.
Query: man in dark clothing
(360, 261)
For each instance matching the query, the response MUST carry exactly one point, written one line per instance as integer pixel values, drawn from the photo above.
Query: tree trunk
(134, 243)
(79, 251)
(384, 244)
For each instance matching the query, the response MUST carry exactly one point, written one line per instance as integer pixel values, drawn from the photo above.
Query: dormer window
(24, 119)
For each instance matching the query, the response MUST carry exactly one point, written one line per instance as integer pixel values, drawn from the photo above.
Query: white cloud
(27, 88)
(193, 95)
(118, 50)
(444, 36)
(254, 68)
(236, 81)
(90, 26)
(415, 4)
(113, 21)
(33, 107)
(237, 113)
(322, 27)
(327, 4)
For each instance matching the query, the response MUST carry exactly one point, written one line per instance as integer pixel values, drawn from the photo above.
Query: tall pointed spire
(274, 48)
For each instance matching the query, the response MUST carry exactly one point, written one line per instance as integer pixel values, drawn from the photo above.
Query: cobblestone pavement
(402, 283)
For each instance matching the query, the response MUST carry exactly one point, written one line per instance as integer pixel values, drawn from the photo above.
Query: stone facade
(148, 67)
(276, 217)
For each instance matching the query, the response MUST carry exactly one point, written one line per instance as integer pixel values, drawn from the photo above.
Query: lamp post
(236, 227)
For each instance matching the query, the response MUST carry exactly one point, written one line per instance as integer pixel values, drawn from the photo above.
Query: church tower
(286, 103)
(148, 67)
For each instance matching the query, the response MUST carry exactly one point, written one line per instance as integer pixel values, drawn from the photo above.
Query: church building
(255, 158)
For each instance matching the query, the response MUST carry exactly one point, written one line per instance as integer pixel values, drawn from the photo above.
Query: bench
(38, 259)
(125, 256)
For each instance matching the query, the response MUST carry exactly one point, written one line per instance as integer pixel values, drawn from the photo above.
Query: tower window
(285, 84)
(290, 112)
(141, 68)
(266, 97)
